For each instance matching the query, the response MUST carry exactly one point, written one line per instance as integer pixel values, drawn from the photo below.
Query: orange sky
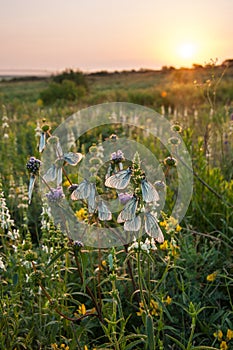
(113, 34)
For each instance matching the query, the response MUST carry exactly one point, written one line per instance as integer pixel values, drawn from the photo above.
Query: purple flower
(124, 197)
(55, 195)
(33, 165)
(117, 156)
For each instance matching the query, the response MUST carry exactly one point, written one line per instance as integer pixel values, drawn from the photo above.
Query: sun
(186, 50)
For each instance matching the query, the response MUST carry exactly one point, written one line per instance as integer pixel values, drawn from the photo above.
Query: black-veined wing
(119, 180)
(133, 225)
(149, 193)
(72, 158)
(91, 198)
(104, 214)
(82, 191)
(42, 142)
(129, 211)
(152, 227)
(50, 174)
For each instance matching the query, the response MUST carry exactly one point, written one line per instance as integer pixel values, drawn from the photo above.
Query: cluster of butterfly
(129, 216)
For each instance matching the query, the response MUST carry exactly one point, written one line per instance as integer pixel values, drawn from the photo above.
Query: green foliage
(178, 296)
(65, 90)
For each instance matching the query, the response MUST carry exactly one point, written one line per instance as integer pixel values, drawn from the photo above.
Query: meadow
(149, 293)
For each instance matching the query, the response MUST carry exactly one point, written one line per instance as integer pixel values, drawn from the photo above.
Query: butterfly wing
(119, 180)
(51, 174)
(129, 211)
(72, 158)
(59, 177)
(42, 142)
(149, 193)
(82, 191)
(91, 198)
(133, 225)
(30, 187)
(104, 214)
(152, 228)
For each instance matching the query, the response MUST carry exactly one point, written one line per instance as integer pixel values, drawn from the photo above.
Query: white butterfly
(119, 180)
(91, 198)
(72, 158)
(133, 225)
(149, 193)
(129, 211)
(82, 191)
(104, 214)
(152, 227)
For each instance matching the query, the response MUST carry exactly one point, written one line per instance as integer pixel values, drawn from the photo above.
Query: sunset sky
(113, 34)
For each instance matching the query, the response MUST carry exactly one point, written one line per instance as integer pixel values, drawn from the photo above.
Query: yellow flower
(163, 223)
(223, 345)
(82, 309)
(229, 334)
(54, 346)
(218, 334)
(168, 300)
(85, 347)
(141, 309)
(178, 228)
(164, 245)
(211, 277)
(154, 307)
(66, 183)
(81, 214)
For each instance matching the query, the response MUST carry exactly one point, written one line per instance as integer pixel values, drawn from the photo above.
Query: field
(60, 292)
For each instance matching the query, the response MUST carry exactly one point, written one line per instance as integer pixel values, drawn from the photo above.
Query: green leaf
(150, 332)
(56, 257)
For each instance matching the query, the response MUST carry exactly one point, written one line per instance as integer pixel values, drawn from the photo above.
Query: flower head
(55, 195)
(124, 197)
(33, 165)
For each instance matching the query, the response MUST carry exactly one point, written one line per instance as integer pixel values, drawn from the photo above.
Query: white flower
(2, 266)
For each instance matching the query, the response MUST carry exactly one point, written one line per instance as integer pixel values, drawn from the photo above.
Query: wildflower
(229, 334)
(163, 223)
(124, 197)
(176, 127)
(82, 309)
(154, 308)
(168, 300)
(178, 228)
(223, 345)
(2, 266)
(164, 245)
(218, 334)
(113, 137)
(77, 245)
(211, 277)
(81, 214)
(141, 309)
(55, 195)
(170, 161)
(117, 156)
(33, 165)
